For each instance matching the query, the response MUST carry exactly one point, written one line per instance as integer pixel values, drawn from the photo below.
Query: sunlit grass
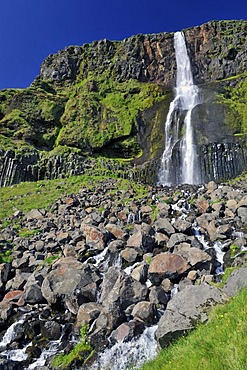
(42, 194)
(221, 344)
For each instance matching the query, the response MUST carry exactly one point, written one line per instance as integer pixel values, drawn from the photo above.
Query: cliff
(111, 98)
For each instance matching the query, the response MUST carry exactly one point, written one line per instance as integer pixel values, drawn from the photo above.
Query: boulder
(32, 293)
(95, 237)
(236, 281)
(141, 241)
(116, 231)
(186, 309)
(127, 331)
(50, 330)
(87, 313)
(34, 214)
(129, 254)
(176, 239)
(139, 273)
(194, 256)
(126, 291)
(69, 278)
(5, 310)
(158, 295)
(167, 265)
(146, 312)
(163, 225)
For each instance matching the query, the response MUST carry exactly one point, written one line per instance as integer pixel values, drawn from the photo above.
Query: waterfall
(179, 163)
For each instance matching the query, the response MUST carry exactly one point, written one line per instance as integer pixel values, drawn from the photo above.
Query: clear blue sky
(30, 30)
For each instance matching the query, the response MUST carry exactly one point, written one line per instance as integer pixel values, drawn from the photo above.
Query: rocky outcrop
(217, 50)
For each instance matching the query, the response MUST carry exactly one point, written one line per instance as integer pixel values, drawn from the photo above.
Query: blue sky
(30, 30)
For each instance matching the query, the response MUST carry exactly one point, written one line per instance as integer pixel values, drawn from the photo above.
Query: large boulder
(70, 279)
(126, 291)
(187, 308)
(167, 265)
(236, 281)
(194, 256)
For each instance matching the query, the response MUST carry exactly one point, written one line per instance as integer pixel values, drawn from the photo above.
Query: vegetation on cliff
(88, 115)
(235, 97)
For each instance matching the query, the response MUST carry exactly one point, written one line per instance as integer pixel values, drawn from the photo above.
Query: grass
(81, 352)
(42, 194)
(221, 344)
(26, 233)
(5, 257)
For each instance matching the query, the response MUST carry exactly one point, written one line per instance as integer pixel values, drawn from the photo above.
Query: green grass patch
(220, 344)
(26, 233)
(81, 352)
(42, 194)
(5, 257)
(49, 260)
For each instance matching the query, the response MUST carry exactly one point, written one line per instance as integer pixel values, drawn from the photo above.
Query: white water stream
(129, 355)
(187, 96)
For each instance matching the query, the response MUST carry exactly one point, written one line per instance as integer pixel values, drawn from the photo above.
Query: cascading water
(185, 168)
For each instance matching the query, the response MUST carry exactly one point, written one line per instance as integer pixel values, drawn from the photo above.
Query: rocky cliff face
(217, 50)
(112, 98)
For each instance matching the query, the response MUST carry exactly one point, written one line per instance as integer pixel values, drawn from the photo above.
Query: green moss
(235, 98)
(100, 110)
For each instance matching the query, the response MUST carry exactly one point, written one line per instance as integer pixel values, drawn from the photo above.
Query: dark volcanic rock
(187, 308)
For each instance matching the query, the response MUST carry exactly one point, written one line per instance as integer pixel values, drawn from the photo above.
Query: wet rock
(167, 265)
(51, 330)
(127, 331)
(187, 308)
(236, 281)
(10, 365)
